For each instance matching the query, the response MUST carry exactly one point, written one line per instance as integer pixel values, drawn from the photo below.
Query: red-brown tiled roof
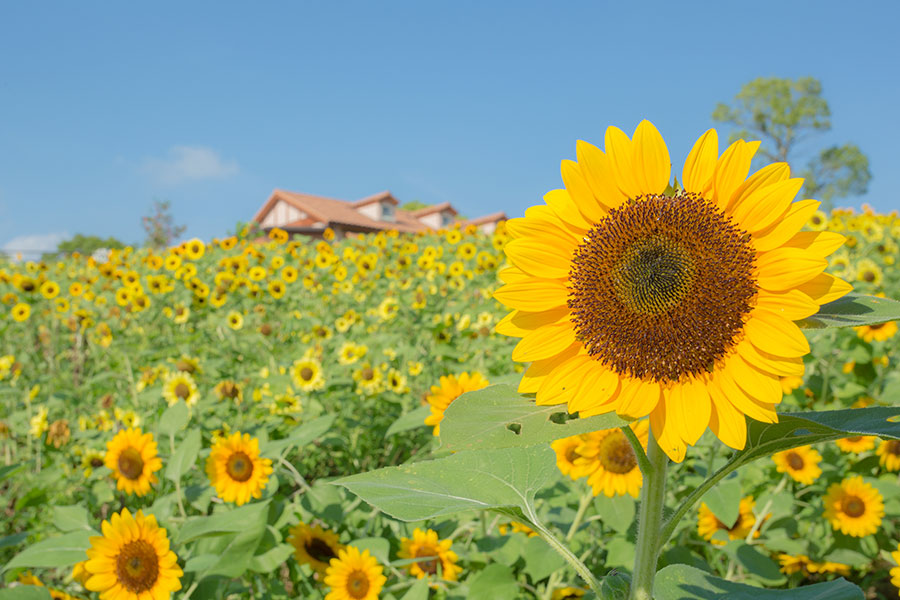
(433, 209)
(329, 210)
(497, 216)
(380, 196)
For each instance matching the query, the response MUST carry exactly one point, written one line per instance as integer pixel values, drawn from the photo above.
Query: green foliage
(682, 582)
(853, 310)
(413, 205)
(783, 113)
(160, 226)
(85, 245)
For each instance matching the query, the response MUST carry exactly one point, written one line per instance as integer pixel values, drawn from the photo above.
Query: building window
(446, 218)
(387, 211)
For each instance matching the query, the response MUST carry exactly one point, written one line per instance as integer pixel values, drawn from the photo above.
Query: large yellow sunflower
(313, 545)
(879, 332)
(801, 463)
(889, 454)
(132, 560)
(708, 523)
(307, 374)
(236, 470)
(433, 552)
(854, 507)
(634, 298)
(354, 576)
(132, 457)
(614, 468)
(451, 387)
(567, 453)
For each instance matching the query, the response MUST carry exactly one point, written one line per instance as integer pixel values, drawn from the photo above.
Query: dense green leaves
(853, 310)
(226, 521)
(185, 456)
(681, 582)
(174, 418)
(61, 551)
(499, 417)
(507, 477)
(409, 420)
(26, 592)
(302, 435)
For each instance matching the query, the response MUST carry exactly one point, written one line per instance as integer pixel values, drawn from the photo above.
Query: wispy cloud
(187, 163)
(30, 247)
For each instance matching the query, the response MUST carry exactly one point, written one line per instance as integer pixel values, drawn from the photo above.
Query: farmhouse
(310, 215)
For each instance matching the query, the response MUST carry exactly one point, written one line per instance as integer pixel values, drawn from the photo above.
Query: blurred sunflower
(708, 523)
(680, 304)
(20, 312)
(801, 463)
(354, 576)
(313, 545)
(854, 507)
(611, 461)
(132, 457)
(868, 271)
(451, 387)
(132, 560)
(889, 454)
(235, 320)
(307, 374)
(856, 444)
(435, 555)
(180, 386)
(567, 593)
(236, 470)
(879, 332)
(229, 389)
(567, 453)
(895, 572)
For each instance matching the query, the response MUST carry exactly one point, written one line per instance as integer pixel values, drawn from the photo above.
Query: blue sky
(105, 107)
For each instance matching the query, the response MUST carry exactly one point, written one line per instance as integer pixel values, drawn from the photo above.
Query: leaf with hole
(499, 417)
(681, 582)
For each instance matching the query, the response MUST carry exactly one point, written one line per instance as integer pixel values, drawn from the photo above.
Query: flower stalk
(653, 494)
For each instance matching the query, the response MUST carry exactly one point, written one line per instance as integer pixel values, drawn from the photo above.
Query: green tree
(413, 205)
(84, 244)
(160, 225)
(784, 114)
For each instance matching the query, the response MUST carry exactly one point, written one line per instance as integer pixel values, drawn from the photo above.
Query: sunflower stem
(567, 554)
(653, 495)
(643, 461)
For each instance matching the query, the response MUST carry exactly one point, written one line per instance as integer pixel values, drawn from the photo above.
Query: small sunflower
(889, 454)
(856, 444)
(235, 320)
(679, 305)
(879, 332)
(615, 470)
(868, 271)
(236, 470)
(132, 457)
(708, 524)
(567, 593)
(354, 576)
(801, 463)
(307, 374)
(434, 554)
(854, 507)
(451, 387)
(567, 453)
(180, 386)
(20, 312)
(895, 572)
(132, 560)
(314, 546)
(229, 389)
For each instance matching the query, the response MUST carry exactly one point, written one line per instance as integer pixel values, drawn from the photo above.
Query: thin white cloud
(187, 163)
(30, 247)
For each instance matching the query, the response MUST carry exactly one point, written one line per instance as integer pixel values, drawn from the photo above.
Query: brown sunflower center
(572, 453)
(137, 566)
(868, 276)
(855, 439)
(877, 326)
(660, 287)
(130, 463)
(368, 374)
(239, 466)
(795, 461)
(893, 447)
(319, 550)
(182, 390)
(428, 566)
(853, 506)
(306, 373)
(357, 584)
(616, 454)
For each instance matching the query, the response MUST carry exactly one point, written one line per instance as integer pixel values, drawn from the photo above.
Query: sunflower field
(356, 419)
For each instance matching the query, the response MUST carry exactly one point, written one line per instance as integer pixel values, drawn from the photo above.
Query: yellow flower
(790, 383)
(708, 524)
(229, 389)
(801, 463)
(567, 593)
(516, 527)
(313, 545)
(895, 572)
(435, 554)
(236, 470)
(90, 460)
(678, 305)
(856, 444)
(354, 576)
(194, 249)
(132, 560)
(369, 380)
(20, 312)
(879, 332)
(39, 423)
(132, 457)
(614, 471)
(50, 290)
(889, 454)
(307, 374)
(869, 272)
(180, 386)
(854, 507)
(451, 387)
(235, 320)
(567, 453)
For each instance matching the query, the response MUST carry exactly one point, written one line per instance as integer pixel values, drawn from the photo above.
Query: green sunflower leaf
(681, 582)
(484, 479)
(853, 310)
(61, 551)
(26, 592)
(499, 417)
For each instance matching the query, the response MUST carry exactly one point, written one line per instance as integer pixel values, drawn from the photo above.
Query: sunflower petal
(776, 335)
(778, 233)
(544, 342)
(581, 192)
(520, 323)
(652, 166)
(825, 288)
(818, 243)
(596, 169)
(770, 363)
(667, 433)
(785, 268)
(533, 295)
(701, 163)
(726, 421)
(539, 257)
(619, 151)
(638, 398)
(764, 177)
(566, 209)
(731, 170)
(791, 304)
(767, 205)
